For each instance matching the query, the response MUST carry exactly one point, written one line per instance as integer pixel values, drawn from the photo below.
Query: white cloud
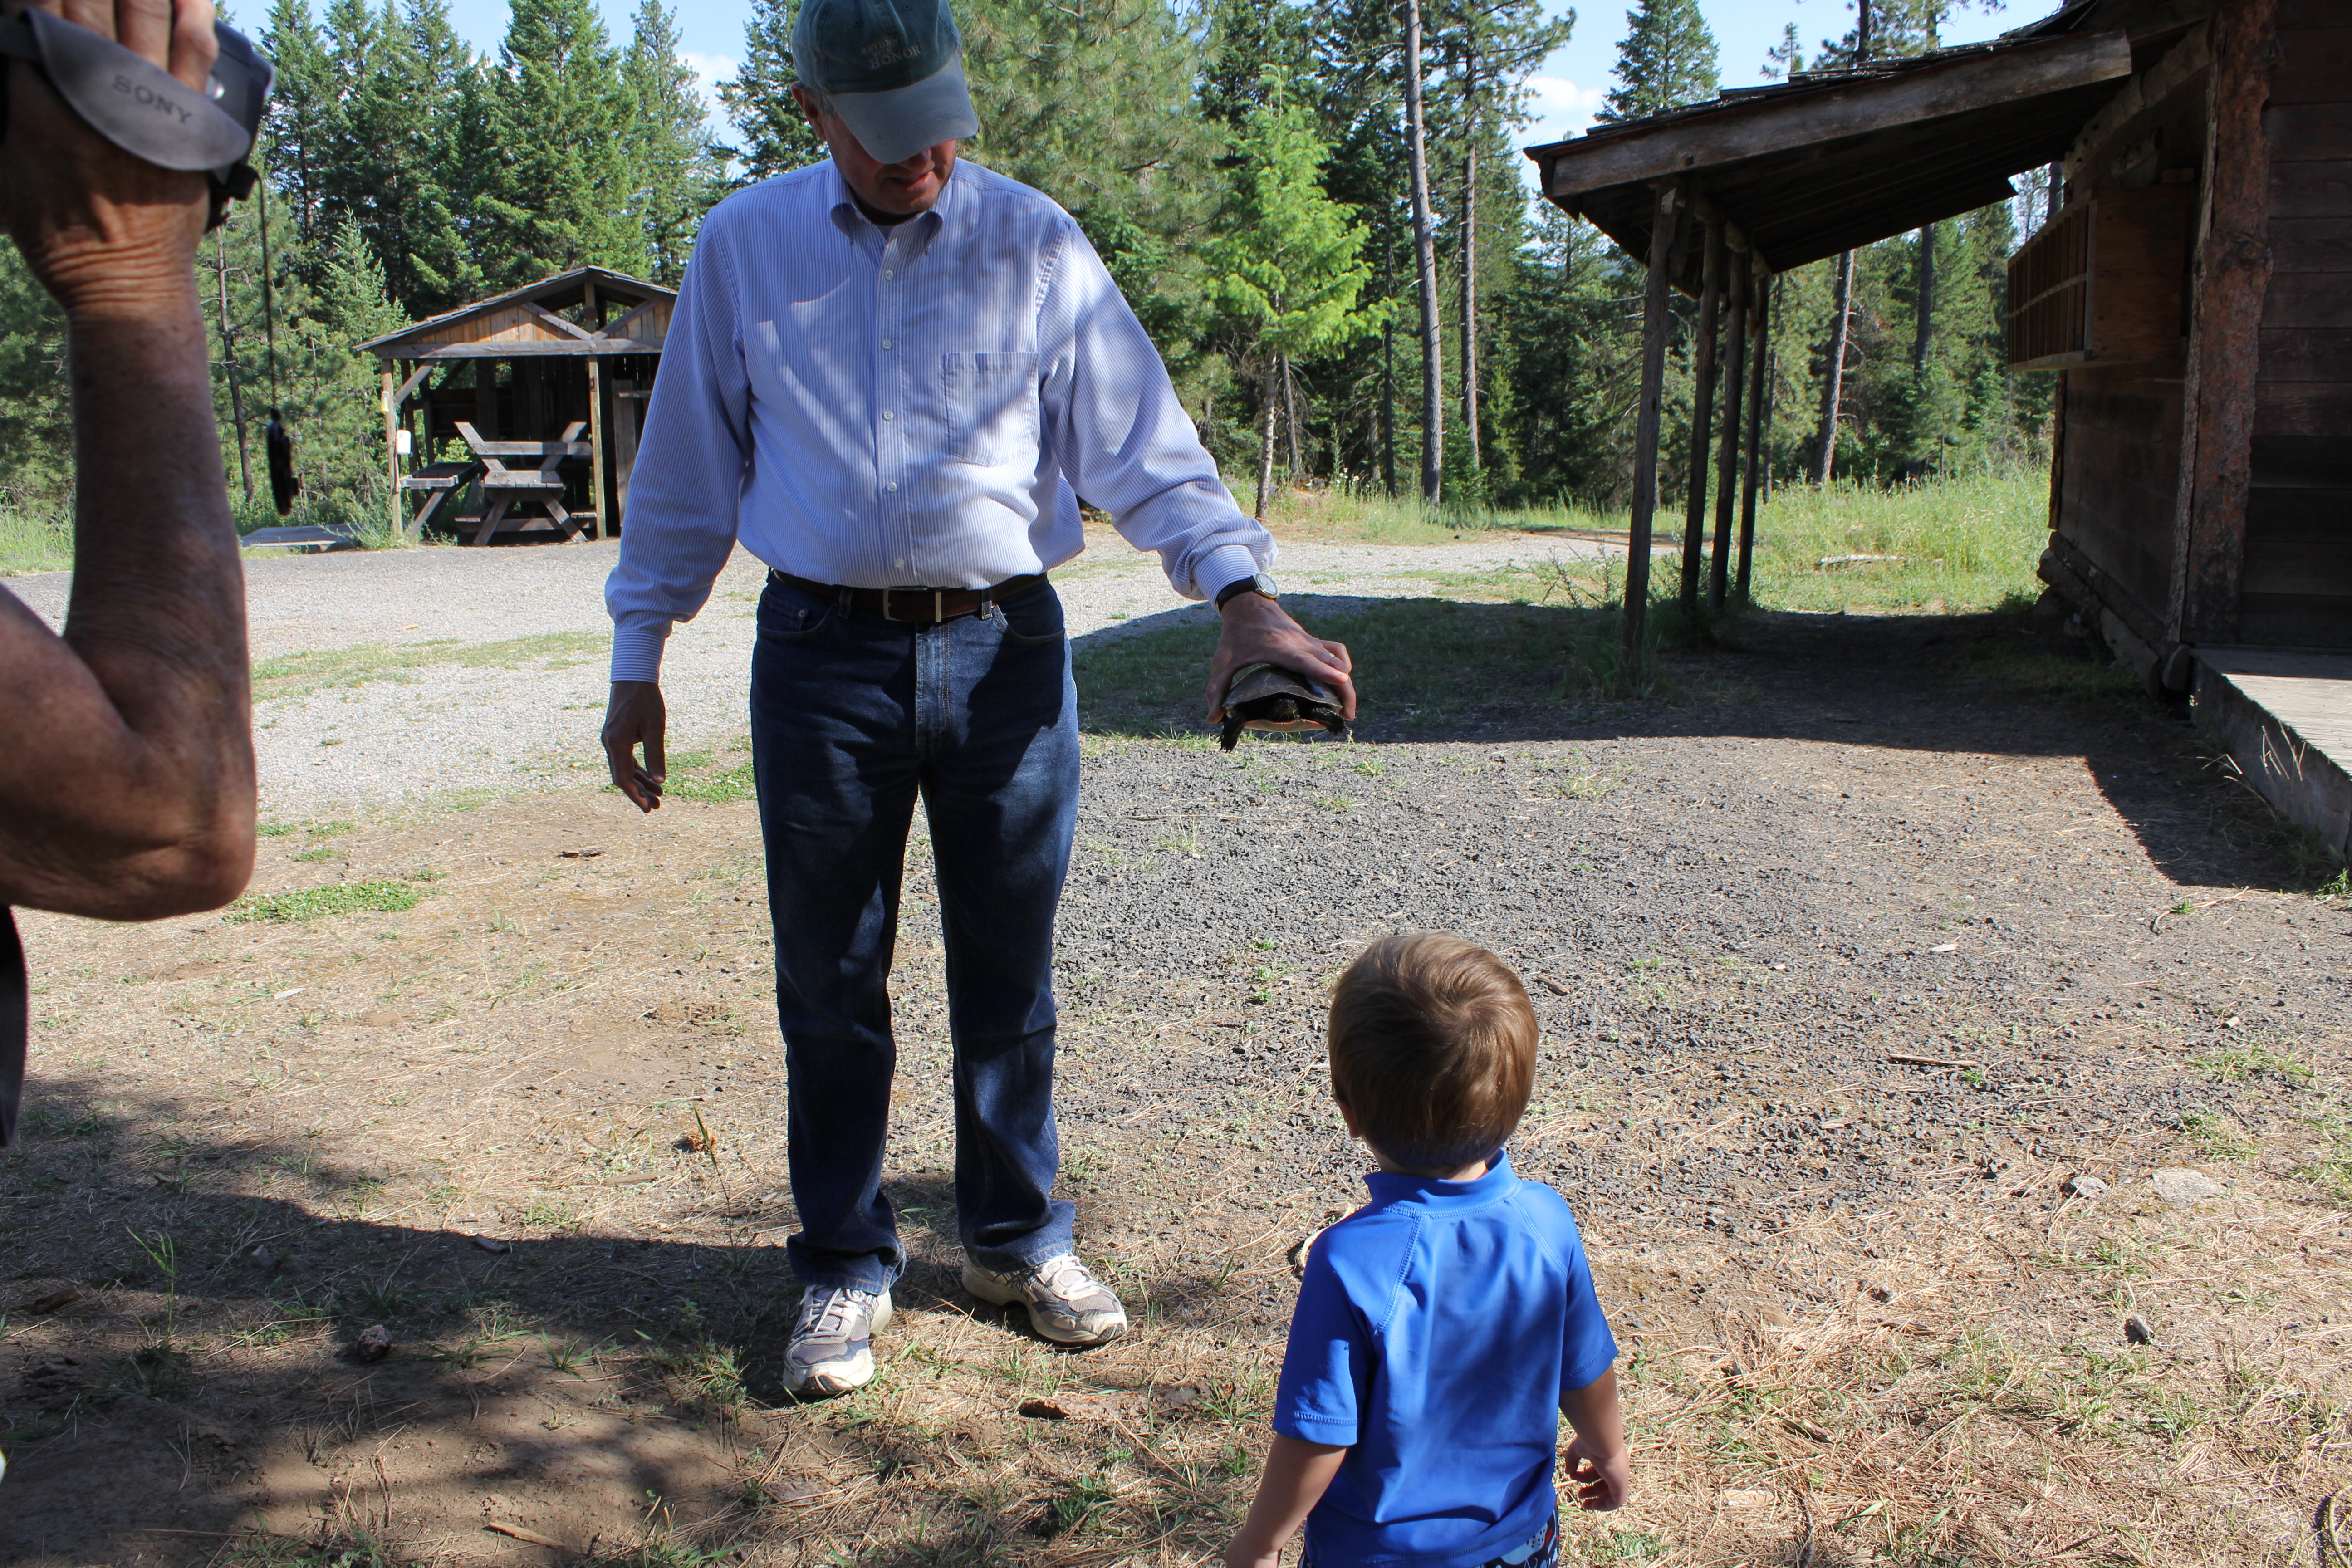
(710, 70)
(1560, 108)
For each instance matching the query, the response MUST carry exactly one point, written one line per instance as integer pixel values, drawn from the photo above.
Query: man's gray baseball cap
(893, 69)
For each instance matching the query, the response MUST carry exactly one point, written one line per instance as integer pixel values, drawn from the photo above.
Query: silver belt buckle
(937, 604)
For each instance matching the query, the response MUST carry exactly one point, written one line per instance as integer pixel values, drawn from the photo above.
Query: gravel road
(448, 725)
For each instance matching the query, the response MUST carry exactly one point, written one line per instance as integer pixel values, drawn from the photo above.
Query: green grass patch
(1969, 540)
(1369, 518)
(299, 674)
(36, 536)
(726, 786)
(316, 903)
(2048, 675)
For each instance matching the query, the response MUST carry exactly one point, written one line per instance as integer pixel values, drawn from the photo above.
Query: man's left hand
(1260, 631)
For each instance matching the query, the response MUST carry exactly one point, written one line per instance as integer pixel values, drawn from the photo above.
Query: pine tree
(774, 135)
(678, 173)
(303, 134)
(1665, 60)
(1290, 268)
(560, 197)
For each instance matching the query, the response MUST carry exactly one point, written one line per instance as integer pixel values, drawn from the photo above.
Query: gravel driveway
(532, 715)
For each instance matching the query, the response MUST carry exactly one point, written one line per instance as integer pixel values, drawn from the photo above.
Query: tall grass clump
(1968, 539)
(35, 534)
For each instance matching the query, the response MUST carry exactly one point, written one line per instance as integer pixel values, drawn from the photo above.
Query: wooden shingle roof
(538, 319)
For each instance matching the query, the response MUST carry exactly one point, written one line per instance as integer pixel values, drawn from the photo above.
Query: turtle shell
(1271, 697)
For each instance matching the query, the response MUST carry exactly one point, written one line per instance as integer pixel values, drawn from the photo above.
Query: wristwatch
(1257, 582)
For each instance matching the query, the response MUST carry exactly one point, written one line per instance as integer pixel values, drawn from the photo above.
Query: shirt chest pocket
(992, 402)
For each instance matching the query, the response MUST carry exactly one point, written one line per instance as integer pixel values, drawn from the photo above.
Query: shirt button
(887, 275)
(885, 343)
(886, 414)
(900, 562)
(892, 488)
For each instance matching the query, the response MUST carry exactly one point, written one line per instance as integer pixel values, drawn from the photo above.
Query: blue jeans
(852, 717)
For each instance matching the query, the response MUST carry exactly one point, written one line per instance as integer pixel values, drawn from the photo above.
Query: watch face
(1265, 584)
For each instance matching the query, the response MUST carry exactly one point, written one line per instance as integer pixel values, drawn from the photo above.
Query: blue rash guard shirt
(1436, 1329)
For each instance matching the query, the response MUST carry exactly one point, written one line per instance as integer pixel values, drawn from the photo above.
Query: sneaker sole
(989, 1290)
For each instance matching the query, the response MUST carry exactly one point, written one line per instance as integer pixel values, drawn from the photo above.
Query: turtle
(1272, 697)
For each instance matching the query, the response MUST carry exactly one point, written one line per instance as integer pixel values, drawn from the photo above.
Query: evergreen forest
(1319, 211)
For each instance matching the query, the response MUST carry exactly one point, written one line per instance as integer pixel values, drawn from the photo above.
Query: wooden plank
(1631, 651)
(2233, 273)
(621, 328)
(547, 348)
(2316, 69)
(2294, 15)
(2301, 566)
(547, 317)
(1757, 128)
(2283, 620)
(2308, 132)
(2321, 408)
(410, 384)
(2311, 245)
(2304, 300)
(2149, 419)
(2303, 462)
(2306, 514)
(1710, 312)
(2322, 189)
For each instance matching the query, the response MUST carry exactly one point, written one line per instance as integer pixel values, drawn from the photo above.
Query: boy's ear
(1347, 1115)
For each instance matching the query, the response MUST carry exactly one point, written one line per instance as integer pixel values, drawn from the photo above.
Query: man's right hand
(634, 717)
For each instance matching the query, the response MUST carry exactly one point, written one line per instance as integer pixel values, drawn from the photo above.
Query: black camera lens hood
(144, 109)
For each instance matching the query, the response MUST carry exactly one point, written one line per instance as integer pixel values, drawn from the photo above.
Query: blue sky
(1566, 91)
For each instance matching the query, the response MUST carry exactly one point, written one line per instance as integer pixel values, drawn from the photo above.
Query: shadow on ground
(1445, 670)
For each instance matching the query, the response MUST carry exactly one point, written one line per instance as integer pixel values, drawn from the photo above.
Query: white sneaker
(1066, 1304)
(831, 1348)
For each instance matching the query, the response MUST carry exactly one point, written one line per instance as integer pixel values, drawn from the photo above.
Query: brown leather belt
(923, 607)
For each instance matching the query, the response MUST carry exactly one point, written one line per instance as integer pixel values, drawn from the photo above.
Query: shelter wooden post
(1646, 431)
(1710, 309)
(391, 446)
(1727, 465)
(1757, 430)
(594, 314)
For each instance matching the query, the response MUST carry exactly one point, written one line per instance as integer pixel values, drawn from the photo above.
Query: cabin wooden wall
(2119, 466)
(2296, 586)
(2116, 477)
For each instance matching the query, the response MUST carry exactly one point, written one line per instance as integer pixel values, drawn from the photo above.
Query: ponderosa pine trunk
(1265, 438)
(1425, 248)
(1833, 378)
(1470, 252)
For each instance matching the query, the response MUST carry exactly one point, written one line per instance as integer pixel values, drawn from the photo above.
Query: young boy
(1444, 1327)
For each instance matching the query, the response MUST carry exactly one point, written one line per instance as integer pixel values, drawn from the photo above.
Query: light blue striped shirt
(920, 404)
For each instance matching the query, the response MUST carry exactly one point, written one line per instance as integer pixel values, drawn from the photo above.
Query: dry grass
(318, 1116)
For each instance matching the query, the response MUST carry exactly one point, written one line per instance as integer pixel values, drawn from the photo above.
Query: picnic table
(511, 490)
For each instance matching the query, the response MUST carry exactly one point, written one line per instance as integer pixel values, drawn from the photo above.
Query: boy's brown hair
(1432, 1047)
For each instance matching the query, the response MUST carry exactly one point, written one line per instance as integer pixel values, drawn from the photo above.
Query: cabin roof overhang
(1837, 159)
(529, 322)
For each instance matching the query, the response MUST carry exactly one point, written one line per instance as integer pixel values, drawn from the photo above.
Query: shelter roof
(1832, 160)
(533, 320)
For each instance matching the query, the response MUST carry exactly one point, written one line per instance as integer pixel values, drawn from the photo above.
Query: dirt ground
(1862, 966)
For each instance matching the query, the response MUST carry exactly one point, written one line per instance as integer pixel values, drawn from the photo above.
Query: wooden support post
(1727, 465)
(486, 399)
(392, 449)
(2230, 285)
(1646, 431)
(1757, 428)
(596, 443)
(1710, 308)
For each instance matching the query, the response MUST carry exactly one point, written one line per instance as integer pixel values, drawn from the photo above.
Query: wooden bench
(439, 482)
(538, 482)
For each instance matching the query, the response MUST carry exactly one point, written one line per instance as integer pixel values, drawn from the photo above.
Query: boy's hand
(1601, 1478)
(1241, 1555)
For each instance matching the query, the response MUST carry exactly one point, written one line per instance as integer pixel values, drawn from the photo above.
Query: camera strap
(146, 111)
